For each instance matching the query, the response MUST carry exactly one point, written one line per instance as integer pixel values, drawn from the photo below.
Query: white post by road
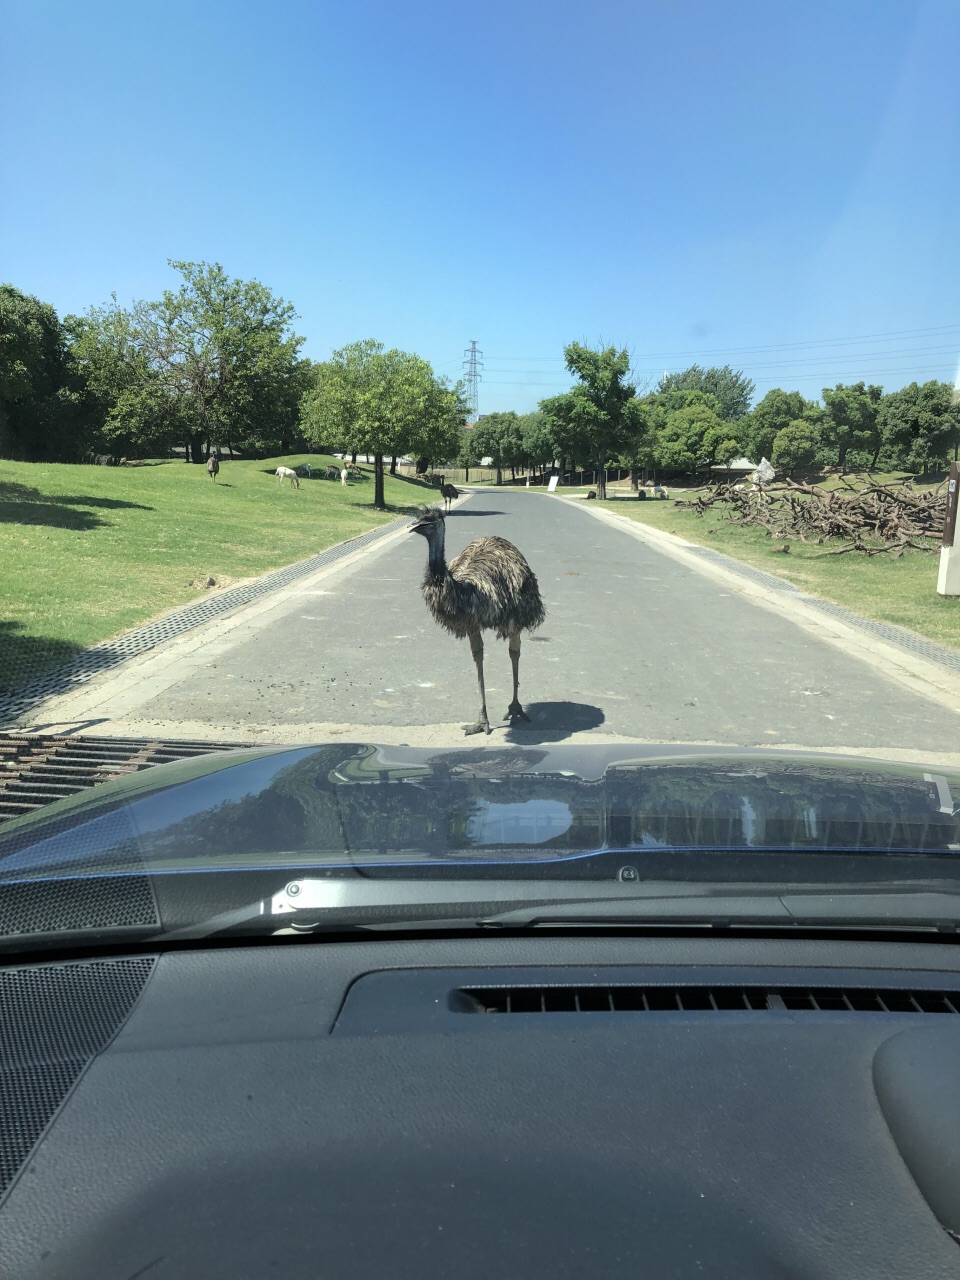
(948, 581)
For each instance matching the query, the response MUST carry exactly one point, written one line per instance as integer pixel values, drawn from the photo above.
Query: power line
(942, 329)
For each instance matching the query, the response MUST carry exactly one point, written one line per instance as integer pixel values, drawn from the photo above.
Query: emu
(287, 473)
(213, 467)
(488, 587)
(449, 492)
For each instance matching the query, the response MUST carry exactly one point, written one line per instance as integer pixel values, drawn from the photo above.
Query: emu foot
(482, 726)
(516, 712)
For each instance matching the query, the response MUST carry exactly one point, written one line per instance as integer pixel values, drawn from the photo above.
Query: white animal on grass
(343, 476)
(287, 473)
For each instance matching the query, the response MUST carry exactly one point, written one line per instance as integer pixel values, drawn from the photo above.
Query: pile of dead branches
(872, 519)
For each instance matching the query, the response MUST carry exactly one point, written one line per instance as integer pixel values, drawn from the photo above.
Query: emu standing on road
(449, 492)
(488, 587)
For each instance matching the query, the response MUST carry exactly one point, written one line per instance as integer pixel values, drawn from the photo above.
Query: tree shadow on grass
(20, 504)
(23, 656)
(553, 721)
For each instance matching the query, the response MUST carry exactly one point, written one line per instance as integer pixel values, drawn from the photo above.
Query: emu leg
(515, 711)
(483, 724)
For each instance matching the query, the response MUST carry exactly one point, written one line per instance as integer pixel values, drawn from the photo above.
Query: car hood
(372, 805)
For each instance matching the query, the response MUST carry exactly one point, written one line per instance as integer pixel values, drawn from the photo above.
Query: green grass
(902, 591)
(86, 552)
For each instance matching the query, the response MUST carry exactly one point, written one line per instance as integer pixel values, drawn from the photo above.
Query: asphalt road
(635, 644)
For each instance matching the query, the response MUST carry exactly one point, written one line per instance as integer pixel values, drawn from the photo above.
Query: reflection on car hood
(368, 805)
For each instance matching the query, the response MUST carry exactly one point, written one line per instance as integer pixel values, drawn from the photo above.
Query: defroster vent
(676, 999)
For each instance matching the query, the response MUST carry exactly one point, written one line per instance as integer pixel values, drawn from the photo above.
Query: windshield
(443, 448)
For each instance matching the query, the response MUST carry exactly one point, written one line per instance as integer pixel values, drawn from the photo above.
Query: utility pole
(473, 376)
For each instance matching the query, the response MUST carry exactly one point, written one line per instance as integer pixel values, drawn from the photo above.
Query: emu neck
(436, 562)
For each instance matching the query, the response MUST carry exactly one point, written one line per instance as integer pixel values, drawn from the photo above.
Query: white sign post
(948, 580)
(552, 483)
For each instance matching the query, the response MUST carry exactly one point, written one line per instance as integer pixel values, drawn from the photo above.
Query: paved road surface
(635, 644)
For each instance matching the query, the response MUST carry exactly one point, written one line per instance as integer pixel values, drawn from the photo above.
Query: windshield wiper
(337, 904)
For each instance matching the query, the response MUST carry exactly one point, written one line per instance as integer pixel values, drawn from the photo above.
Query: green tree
(496, 436)
(731, 388)
(38, 391)
(124, 396)
(775, 411)
(850, 420)
(919, 425)
(371, 400)
(795, 446)
(226, 356)
(601, 415)
(688, 432)
(538, 445)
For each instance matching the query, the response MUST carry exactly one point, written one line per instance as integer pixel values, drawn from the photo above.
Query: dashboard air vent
(652, 999)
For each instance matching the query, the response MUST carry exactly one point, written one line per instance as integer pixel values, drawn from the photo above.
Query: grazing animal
(305, 469)
(343, 476)
(213, 467)
(659, 491)
(287, 473)
(488, 587)
(449, 492)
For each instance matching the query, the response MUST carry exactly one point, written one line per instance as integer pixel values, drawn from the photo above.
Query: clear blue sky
(748, 180)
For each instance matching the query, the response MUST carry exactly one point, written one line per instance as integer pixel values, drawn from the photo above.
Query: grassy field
(86, 552)
(902, 591)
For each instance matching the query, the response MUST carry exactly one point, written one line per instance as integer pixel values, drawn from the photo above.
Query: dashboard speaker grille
(54, 1019)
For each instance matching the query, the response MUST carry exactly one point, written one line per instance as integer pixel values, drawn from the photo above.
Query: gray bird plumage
(488, 587)
(449, 492)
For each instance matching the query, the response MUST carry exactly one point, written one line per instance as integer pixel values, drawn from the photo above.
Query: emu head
(429, 522)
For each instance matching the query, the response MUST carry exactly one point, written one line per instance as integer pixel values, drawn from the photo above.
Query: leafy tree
(538, 445)
(38, 392)
(226, 356)
(775, 411)
(920, 425)
(732, 389)
(795, 446)
(851, 419)
(371, 400)
(124, 396)
(688, 432)
(496, 436)
(601, 415)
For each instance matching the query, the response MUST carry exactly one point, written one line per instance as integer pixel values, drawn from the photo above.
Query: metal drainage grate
(889, 631)
(36, 770)
(102, 657)
(704, 1000)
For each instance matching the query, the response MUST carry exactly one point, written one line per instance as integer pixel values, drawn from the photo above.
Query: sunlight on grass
(87, 552)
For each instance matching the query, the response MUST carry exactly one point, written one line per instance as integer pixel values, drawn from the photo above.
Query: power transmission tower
(473, 376)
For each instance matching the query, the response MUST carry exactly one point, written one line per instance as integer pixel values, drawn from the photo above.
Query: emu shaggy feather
(488, 587)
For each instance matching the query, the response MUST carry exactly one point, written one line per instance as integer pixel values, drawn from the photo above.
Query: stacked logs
(872, 519)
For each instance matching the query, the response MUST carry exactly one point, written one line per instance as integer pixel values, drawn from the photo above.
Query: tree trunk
(195, 447)
(378, 499)
(466, 475)
(513, 472)
(634, 478)
(499, 475)
(393, 465)
(601, 478)
(285, 447)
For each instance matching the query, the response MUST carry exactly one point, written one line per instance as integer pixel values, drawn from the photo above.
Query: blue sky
(770, 184)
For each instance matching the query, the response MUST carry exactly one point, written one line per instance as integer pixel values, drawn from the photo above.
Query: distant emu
(488, 587)
(213, 467)
(449, 492)
(287, 473)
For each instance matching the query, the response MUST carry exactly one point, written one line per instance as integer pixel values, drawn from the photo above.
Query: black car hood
(557, 811)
